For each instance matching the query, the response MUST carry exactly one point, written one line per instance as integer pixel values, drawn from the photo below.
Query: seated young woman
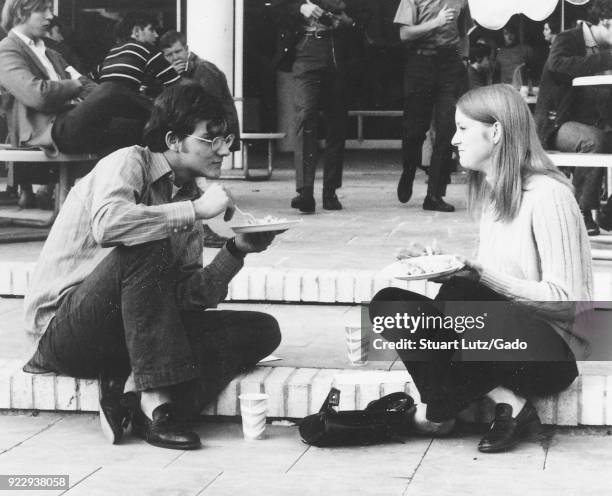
(533, 254)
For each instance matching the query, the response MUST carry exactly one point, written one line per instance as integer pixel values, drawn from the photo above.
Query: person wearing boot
(119, 290)
(434, 35)
(319, 42)
(531, 278)
(579, 119)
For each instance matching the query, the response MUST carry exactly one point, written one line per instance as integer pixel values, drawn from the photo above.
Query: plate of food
(426, 267)
(264, 224)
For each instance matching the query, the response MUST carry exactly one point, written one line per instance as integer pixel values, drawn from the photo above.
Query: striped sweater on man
(130, 62)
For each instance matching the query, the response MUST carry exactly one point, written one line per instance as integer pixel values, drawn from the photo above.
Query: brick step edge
(294, 285)
(297, 392)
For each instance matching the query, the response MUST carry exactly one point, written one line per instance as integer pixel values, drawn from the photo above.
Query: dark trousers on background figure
(575, 137)
(110, 117)
(127, 316)
(320, 81)
(448, 386)
(431, 87)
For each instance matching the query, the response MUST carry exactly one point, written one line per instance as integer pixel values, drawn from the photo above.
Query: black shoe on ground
(404, 187)
(165, 430)
(115, 408)
(604, 219)
(212, 239)
(331, 202)
(505, 432)
(591, 226)
(438, 204)
(303, 203)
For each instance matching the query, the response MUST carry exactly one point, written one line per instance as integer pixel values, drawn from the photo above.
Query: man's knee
(580, 138)
(269, 334)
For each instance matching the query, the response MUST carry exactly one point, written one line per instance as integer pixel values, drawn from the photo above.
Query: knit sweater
(542, 255)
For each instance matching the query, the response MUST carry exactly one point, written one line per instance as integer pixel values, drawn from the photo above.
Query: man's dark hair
(600, 9)
(479, 51)
(56, 22)
(554, 23)
(169, 38)
(137, 18)
(179, 109)
(16, 12)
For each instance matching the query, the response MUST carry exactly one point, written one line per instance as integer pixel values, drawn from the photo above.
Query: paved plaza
(364, 235)
(559, 461)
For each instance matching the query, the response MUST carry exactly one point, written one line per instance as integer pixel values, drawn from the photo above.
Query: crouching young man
(119, 287)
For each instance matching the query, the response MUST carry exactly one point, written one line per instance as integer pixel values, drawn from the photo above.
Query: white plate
(428, 263)
(272, 226)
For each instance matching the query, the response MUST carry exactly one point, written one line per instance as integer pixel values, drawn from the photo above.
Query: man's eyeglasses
(217, 142)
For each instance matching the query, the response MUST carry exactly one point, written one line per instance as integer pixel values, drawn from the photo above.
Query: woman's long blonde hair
(518, 155)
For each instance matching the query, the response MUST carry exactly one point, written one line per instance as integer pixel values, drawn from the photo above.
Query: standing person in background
(317, 37)
(434, 33)
(174, 47)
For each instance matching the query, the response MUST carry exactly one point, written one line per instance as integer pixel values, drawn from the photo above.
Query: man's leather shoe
(404, 187)
(115, 407)
(438, 204)
(164, 430)
(591, 226)
(505, 432)
(212, 239)
(303, 203)
(331, 202)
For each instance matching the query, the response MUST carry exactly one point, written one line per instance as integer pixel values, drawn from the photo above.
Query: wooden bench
(247, 140)
(561, 159)
(40, 157)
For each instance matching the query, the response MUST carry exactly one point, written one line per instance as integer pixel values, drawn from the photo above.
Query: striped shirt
(130, 62)
(127, 199)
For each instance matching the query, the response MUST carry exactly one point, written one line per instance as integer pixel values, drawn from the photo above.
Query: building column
(214, 32)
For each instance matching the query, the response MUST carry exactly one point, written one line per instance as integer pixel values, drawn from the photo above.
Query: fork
(249, 217)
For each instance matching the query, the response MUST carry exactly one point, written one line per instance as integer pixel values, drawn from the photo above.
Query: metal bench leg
(270, 157)
(245, 159)
(63, 186)
(245, 163)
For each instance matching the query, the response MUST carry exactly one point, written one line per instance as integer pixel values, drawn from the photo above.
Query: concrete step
(295, 285)
(297, 392)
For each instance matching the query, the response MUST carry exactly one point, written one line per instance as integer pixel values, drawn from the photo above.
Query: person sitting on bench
(119, 286)
(48, 103)
(578, 119)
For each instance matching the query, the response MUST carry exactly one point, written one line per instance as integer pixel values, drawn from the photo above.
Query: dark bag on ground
(382, 420)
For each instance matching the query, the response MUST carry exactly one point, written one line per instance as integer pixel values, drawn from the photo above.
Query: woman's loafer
(505, 432)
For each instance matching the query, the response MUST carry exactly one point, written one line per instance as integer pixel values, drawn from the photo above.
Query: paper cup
(357, 347)
(253, 409)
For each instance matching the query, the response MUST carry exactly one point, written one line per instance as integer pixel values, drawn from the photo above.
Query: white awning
(494, 14)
